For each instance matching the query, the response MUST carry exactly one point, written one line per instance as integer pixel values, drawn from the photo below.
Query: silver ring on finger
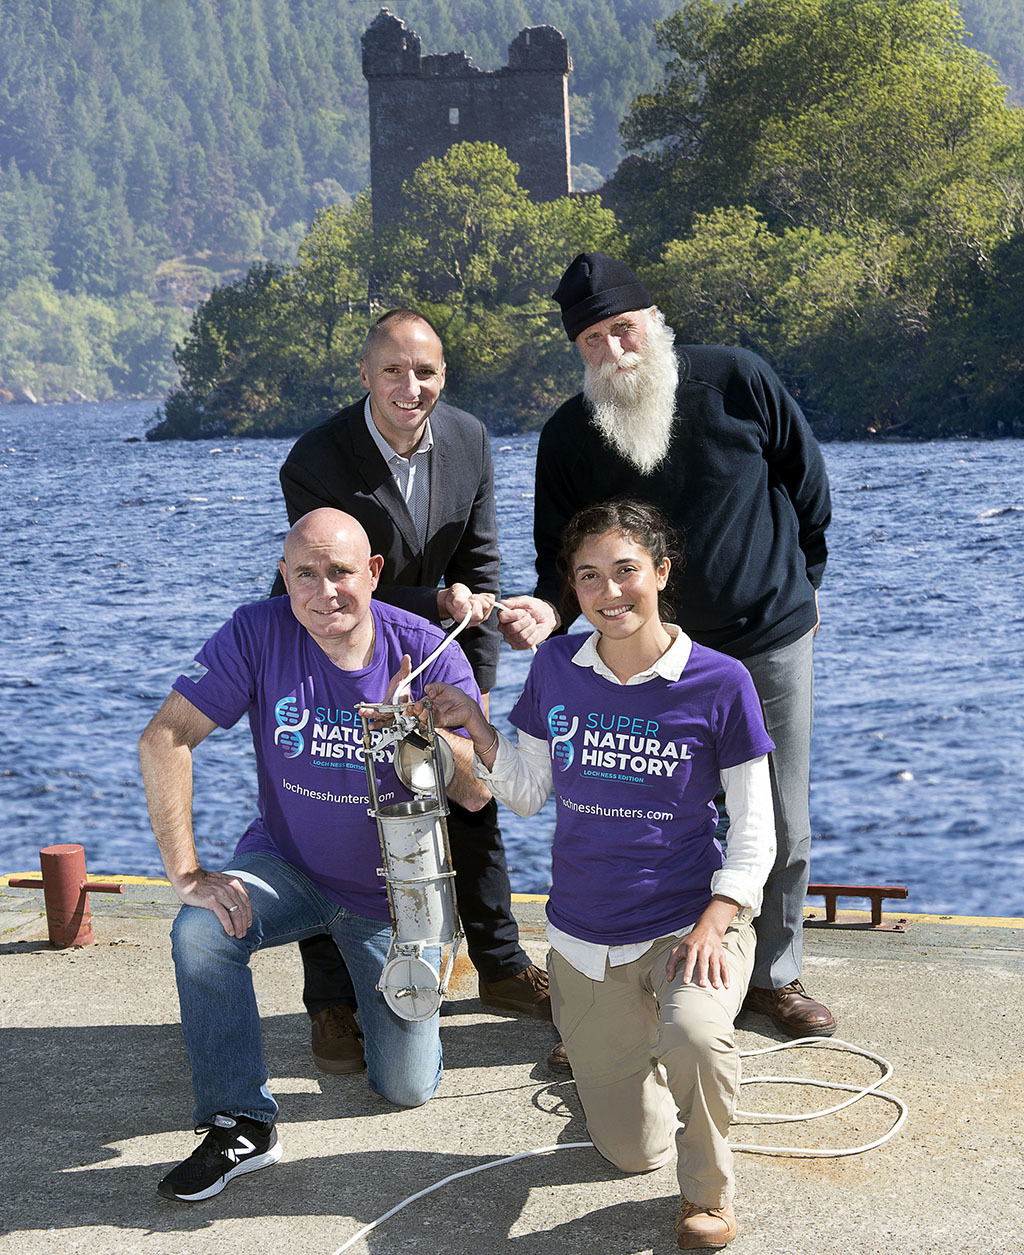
(232, 908)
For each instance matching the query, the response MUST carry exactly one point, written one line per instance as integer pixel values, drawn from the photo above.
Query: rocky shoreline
(24, 395)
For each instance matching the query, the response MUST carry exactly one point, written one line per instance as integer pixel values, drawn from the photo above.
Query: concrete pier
(97, 1103)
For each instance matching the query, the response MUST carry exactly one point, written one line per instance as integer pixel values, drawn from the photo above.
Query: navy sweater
(744, 483)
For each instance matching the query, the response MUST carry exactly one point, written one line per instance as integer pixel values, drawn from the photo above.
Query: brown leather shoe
(337, 1040)
(704, 1228)
(792, 1010)
(526, 992)
(558, 1060)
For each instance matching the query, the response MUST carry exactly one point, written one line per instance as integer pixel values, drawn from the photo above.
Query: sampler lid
(413, 766)
(411, 987)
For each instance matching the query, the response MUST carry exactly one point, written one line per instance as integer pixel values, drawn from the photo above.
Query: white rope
(858, 1092)
(405, 684)
(812, 1042)
(819, 1043)
(455, 1176)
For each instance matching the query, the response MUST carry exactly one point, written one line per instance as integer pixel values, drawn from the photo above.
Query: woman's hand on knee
(701, 960)
(700, 954)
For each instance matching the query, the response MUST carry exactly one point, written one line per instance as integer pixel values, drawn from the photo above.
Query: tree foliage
(138, 140)
(821, 113)
(63, 344)
(278, 351)
(974, 358)
(836, 182)
(816, 177)
(224, 125)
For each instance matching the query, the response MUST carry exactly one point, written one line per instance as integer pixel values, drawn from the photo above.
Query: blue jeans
(219, 1017)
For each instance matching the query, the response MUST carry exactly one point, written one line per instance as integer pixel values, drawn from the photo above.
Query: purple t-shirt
(635, 771)
(313, 795)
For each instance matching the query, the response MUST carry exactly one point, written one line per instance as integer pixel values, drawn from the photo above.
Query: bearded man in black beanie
(710, 436)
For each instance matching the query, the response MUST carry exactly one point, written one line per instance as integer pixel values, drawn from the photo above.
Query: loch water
(121, 557)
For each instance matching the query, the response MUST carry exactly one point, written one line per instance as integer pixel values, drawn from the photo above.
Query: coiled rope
(858, 1092)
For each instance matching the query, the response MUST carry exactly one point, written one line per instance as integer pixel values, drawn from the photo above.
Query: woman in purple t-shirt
(635, 727)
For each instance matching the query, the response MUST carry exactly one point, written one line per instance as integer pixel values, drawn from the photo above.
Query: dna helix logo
(290, 722)
(562, 732)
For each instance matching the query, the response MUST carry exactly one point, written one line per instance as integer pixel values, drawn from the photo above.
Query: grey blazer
(337, 464)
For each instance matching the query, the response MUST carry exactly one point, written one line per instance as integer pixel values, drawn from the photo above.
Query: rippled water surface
(122, 557)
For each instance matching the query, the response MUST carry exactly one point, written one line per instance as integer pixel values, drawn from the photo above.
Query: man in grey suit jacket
(417, 474)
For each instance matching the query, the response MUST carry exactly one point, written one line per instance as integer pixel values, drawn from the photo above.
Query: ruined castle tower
(421, 105)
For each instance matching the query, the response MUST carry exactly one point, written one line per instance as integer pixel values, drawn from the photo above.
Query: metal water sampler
(417, 868)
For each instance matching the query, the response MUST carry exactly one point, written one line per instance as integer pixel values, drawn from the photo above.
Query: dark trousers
(485, 906)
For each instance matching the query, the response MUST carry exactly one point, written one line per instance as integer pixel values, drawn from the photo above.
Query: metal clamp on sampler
(417, 867)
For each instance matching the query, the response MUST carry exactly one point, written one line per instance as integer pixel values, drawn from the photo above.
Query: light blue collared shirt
(411, 474)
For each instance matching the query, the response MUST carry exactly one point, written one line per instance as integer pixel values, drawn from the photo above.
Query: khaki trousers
(655, 1060)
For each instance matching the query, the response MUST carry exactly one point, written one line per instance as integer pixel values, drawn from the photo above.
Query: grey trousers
(784, 679)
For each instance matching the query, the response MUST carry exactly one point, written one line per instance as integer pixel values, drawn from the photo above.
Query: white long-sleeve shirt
(521, 778)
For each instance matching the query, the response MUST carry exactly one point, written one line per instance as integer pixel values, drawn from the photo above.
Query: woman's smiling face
(617, 583)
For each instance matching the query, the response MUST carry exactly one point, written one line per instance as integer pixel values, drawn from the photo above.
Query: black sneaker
(232, 1145)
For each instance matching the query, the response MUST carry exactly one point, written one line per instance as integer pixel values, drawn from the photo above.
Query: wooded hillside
(149, 152)
(836, 184)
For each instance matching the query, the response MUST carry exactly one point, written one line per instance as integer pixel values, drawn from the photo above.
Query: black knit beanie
(596, 287)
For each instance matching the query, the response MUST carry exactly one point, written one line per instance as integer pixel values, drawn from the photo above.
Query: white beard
(633, 400)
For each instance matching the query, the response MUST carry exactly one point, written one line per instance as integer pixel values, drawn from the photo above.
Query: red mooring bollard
(66, 894)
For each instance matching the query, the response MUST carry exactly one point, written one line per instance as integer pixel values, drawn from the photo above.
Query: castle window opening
(453, 117)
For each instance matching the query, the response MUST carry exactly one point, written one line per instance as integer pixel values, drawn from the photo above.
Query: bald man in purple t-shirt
(298, 667)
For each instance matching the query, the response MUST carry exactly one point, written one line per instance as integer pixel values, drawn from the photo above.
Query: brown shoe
(526, 992)
(791, 1010)
(337, 1040)
(704, 1228)
(558, 1060)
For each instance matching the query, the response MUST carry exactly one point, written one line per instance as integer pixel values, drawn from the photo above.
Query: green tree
(327, 294)
(468, 228)
(485, 258)
(147, 190)
(94, 241)
(222, 357)
(816, 112)
(794, 296)
(143, 347)
(63, 345)
(816, 176)
(26, 230)
(277, 351)
(331, 277)
(974, 357)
